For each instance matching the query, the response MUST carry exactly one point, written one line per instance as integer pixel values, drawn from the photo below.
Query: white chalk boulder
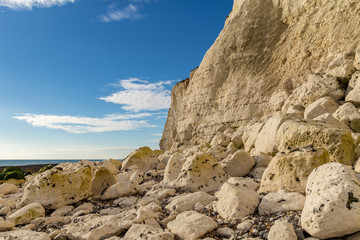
(64, 184)
(191, 225)
(281, 201)
(332, 206)
(145, 158)
(235, 201)
(27, 214)
(239, 164)
(282, 230)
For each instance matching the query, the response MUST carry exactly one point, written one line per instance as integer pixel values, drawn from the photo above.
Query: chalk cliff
(266, 49)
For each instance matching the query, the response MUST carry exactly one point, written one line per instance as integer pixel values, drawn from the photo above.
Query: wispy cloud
(130, 11)
(137, 95)
(77, 124)
(29, 4)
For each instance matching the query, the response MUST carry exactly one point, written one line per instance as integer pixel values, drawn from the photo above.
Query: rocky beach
(261, 142)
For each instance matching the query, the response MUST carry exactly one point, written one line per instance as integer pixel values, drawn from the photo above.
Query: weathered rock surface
(104, 177)
(317, 86)
(173, 168)
(143, 231)
(27, 214)
(275, 44)
(266, 139)
(145, 158)
(250, 135)
(320, 107)
(349, 115)
(353, 90)
(200, 172)
(220, 139)
(290, 170)
(98, 227)
(63, 211)
(329, 118)
(191, 225)
(24, 235)
(281, 201)
(60, 186)
(262, 160)
(342, 66)
(127, 184)
(245, 182)
(332, 206)
(235, 202)
(187, 201)
(6, 226)
(239, 164)
(282, 230)
(7, 188)
(338, 142)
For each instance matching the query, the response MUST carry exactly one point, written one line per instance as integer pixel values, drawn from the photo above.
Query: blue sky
(91, 79)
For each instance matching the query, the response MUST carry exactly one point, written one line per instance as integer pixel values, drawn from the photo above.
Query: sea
(24, 162)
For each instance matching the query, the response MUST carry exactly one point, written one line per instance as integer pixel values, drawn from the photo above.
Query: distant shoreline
(29, 168)
(35, 165)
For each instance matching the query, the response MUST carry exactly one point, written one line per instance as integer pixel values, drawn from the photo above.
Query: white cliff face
(266, 49)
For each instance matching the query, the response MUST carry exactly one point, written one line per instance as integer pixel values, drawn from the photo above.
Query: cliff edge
(266, 49)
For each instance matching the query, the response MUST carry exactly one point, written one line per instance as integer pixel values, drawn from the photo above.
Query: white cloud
(157, 134)
(138, 95)
(29, 4)
(76, 124)
(128, 12)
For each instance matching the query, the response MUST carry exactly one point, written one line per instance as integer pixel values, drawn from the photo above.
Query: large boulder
(100, 227)
(290, 170)
(6, 225)
(104, 177)
(236, 138)
(342, 66)
(320, 106)
(200, 172)
(173, 168)
(338, 142)
(281, 201)
(8, 188)
(250, 134)
(127, 184)
(64, 184)
(220, 139)
(145, 158)
(349, 115)
(191, 225)
(266, 139)
(282, 230)
(235, 201)
(318, 86)
(187, 201)
(332, 206)
(27, 214)
(239, 164)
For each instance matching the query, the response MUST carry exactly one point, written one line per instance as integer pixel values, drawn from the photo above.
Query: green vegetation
(12, 173)
(48, 167)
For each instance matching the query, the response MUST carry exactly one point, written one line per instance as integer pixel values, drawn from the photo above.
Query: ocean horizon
(25, 162)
